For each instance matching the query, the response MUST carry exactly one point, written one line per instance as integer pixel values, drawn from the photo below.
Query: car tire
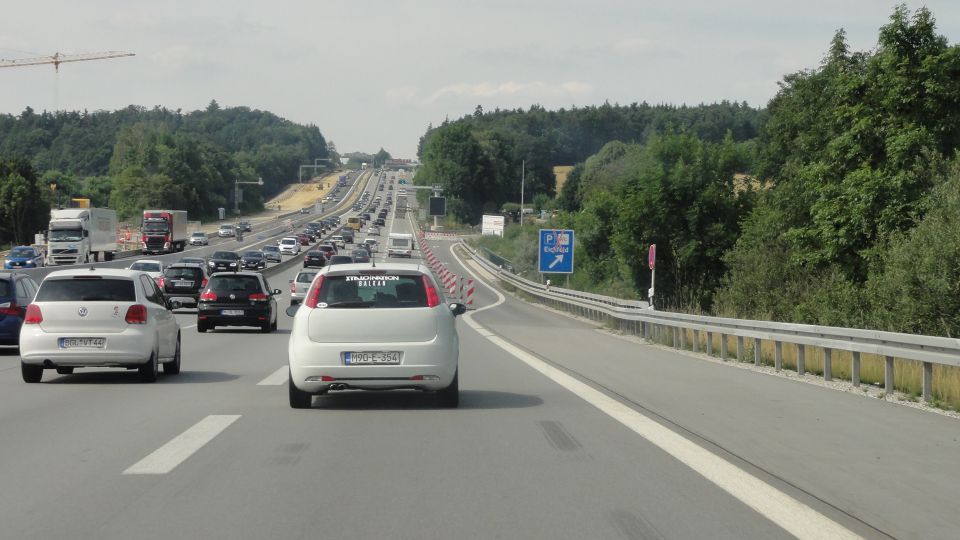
(173, 367)
(266, 327)
(202, 327)
(276, 323)
(31, 373)
(450, 396)
(65, 370)
(149, 371)
(298, 398)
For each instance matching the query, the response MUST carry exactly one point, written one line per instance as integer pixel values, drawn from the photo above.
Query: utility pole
(523, 172)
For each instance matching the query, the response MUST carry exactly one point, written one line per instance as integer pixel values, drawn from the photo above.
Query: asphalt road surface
(564, 431)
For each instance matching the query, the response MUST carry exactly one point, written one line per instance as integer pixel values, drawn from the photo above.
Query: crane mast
(56, 59)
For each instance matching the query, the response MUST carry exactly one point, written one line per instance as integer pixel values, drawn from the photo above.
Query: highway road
(563, 431)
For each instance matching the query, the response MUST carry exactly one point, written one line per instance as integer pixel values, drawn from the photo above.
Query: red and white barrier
(467, 296)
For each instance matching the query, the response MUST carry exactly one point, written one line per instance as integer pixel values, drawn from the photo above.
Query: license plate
(371, 357)
(83, 343)
(231, 312)
(183, 284)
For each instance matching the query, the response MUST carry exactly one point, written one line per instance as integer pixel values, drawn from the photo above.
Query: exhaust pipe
(338, 386)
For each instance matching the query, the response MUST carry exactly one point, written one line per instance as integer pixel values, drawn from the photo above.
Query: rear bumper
(128, 348)
(252, 316)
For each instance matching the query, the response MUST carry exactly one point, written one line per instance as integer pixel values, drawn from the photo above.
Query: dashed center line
(276, 378)
(167, 457)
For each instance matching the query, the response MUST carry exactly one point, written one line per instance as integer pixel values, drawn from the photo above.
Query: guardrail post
(801, 359)
(855, 368)
(778, 355)
(739, 348)
(696, 341)
(709, 343)
(828, 364)
(888, 375)
(683, 338)
(723, 347)
(673, 336)
(757, 352)
(928, 381)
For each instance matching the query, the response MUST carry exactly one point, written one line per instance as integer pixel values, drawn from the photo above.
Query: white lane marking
(276, 378)
(167, 457)
(790, 514)
(188, 327)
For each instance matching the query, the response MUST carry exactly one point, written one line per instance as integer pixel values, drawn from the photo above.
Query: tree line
(838, 203)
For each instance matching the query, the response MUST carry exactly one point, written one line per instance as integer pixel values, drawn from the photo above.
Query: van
(400, 245)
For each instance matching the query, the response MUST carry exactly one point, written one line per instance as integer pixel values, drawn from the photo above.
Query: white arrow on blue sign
(556, 251)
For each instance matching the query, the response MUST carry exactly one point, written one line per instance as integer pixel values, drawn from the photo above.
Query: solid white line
(167, 457)
(276, 378)
(792, 515)
(188, 327)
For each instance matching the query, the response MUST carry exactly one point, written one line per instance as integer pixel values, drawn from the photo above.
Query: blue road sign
(556, 251)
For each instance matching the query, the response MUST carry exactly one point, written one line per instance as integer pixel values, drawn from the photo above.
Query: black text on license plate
(231, 312)
(83, 343)
(374, 357)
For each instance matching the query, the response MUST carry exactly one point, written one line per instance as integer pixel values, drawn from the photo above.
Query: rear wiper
(352, 304)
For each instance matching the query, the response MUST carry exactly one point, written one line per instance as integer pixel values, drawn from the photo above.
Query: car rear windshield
(87, 290)
(228, 284)
(271, 248)
(224, 255)
(373, 291)
(145, 267)
(305, 277)
(182, 273)
(254, 254)
(5, 288)
(199, 234)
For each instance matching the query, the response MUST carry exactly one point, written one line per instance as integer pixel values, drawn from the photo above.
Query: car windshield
(86, 289)
(199, 235)
(66, 235)
(191, 260)
(387, 290)
(253, 254)
(182, 273)
(234, 284)
(288, 241)
(305, 277)
(224, 255)
(145, 266)
(22, 252)
(271, 248)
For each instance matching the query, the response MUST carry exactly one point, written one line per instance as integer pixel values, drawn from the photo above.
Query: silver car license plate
(183, 284)
(353, 358)
(83, 343)
(231, 312)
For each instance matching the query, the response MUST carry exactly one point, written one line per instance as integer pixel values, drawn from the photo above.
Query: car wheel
(149, 370)
(64, 370)
(202, 327)
(30, 373)
(298, 398)
(450, 396)
(273, 326)
(266, 327)
(173, 367)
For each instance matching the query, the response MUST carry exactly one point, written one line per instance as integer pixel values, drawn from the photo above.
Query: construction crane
(58, 59)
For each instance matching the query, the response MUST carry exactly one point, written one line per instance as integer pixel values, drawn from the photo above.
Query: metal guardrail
(636, 317)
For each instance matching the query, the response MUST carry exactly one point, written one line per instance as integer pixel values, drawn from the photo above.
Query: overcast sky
(377, 72)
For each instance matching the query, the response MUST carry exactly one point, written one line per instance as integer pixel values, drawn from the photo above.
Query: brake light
(313, 296)
(258, 297)
(293, 287)
(160, 282)
(433, 299)
(33, 315)
(208, 297)
(136, 314)
(10, 308)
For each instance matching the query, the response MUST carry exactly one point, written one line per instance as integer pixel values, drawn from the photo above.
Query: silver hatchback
(300, 284)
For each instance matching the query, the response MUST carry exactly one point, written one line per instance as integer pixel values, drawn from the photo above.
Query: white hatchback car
(289, 246)
(152, 267)
(99, 317)
(415, 344)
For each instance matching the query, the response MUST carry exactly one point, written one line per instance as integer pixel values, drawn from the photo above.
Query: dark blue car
(23, 257)
(16, 291)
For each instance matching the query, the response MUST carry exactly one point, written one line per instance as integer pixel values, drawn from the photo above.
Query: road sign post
(556, 251)
(652, 263)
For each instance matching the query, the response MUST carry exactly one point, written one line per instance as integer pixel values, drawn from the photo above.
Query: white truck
(81, 235)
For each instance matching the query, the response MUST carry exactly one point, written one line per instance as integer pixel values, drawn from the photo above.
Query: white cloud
(535, 90)
(401, 94)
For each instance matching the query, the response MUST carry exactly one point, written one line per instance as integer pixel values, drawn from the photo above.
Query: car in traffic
(271, 253)
(195, 260)
(380, 222)
(199, 238)
(360, 255)
(244, 226)
(328, 249)
(304, 239)
(237, 299)
(23, 257)
(183, 282)
(99, 317)
(400, 245)
(152, 267)
(340, 259)
(223, 261)
(347, 234)
(253, 260)
(372, 245)
(415, 347)
(338, 241)
(16, 292)
(314, 258)
(300, 284)
(289, 246)
(226, 230)
(373, 230)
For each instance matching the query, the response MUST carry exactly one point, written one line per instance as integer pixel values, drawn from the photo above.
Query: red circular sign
(652, 256)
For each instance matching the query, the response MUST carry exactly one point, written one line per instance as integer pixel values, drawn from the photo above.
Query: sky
(376, 73)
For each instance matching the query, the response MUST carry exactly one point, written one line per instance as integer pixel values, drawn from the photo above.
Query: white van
(400, 245)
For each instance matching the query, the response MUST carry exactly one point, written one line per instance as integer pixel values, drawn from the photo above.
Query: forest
(837, 203)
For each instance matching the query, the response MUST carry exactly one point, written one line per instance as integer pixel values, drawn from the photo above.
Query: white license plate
(183, 284)
(374, 357)
(83, 343)
(231, 312)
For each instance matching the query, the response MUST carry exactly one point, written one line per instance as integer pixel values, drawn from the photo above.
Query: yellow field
(297, 196)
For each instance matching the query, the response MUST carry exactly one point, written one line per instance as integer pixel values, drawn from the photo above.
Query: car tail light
(160, 282)
(208, 297)
(33, 315)
(313, 296)
(136, 314)
(293, 287)
(258, 297)
(433, 299)
(10, 308)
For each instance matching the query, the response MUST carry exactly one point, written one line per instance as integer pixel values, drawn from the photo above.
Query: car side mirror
(292, 310)
(458, 309)
(278, 291)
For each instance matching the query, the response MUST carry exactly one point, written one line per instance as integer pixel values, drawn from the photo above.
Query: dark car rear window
(228, 284)
(376, 291)
(183, 273)
(87, 290)
(224, 255)
(341, 259)
(6, 289)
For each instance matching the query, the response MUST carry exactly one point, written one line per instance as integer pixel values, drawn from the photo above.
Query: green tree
(22, 210)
